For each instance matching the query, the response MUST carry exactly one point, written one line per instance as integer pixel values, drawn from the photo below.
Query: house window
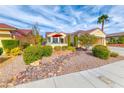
(61, 40)
(49, 39)
(55, 40)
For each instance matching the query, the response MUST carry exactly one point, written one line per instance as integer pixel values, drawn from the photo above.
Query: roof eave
(10, 29)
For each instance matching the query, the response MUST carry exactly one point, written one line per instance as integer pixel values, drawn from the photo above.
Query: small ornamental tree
(69, 40)
(87, 40)
(37, 39)
(75, 40)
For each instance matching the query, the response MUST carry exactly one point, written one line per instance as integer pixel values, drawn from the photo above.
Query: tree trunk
(103, 26)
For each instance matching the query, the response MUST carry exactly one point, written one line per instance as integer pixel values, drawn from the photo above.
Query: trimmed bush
(10, 44)
(57, 48)
(69, 40)
(101, 51)
(114, 54)
(64, 48)
(71, 49)
(1, 51)
(75, 40)
(7, 51)
(16, 51)
(47, 51)
(32, 53)
(121, 40)
(24, 45)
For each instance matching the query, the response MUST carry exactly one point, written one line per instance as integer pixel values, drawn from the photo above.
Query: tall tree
(102, 19)
(36, 36)
(69, 40)
(35, 29)
(75, 40)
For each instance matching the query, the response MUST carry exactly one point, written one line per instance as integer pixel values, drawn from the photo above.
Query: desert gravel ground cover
(58, 64)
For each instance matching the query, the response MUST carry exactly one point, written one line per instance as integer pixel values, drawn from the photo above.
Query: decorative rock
(50, 74)
(36, 63)
(10, 85)
(60, 69)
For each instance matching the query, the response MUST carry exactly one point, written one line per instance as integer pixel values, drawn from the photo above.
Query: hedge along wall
(10, 44)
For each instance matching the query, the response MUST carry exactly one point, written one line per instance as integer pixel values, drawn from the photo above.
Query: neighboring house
(101, 36)
(56, 39)
(114, 35)
(23, 35)
(6, 32)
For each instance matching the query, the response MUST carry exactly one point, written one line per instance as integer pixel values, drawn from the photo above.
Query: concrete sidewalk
(109, 76)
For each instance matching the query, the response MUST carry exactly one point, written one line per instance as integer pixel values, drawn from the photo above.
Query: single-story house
(101, 36)
(60, 39)
(113, 38)
(23, 35)
(114, 35)
(56, 39)
(6, 32)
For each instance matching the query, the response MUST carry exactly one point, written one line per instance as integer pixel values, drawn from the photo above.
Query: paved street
(118, 50)
(110, 76)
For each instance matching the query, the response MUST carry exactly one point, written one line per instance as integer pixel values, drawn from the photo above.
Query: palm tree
(102, 19)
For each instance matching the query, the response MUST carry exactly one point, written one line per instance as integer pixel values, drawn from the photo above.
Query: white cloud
(84, 18)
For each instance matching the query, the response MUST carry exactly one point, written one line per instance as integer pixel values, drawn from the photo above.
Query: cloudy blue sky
(63, 18)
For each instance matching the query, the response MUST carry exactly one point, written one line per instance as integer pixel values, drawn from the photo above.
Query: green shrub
(47, 51)
(16, 51)
(121, 40)
(32, 53)
(24, 45)
(7, 51)
(71, 49)
(64, 48)
(1, 51)
(101, 51)
(69, 40)
(10, 44)
(114, 54)
(57, 48)
(75, 40)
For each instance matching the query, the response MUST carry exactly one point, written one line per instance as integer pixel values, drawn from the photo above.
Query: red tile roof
(21, 33)
(24, 31)
(79, 32)
(116, 34)
(47, 33)
(56, 35)
(5, 26)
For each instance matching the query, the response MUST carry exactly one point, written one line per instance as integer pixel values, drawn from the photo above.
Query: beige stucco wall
(5, 37)
(98, 33)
